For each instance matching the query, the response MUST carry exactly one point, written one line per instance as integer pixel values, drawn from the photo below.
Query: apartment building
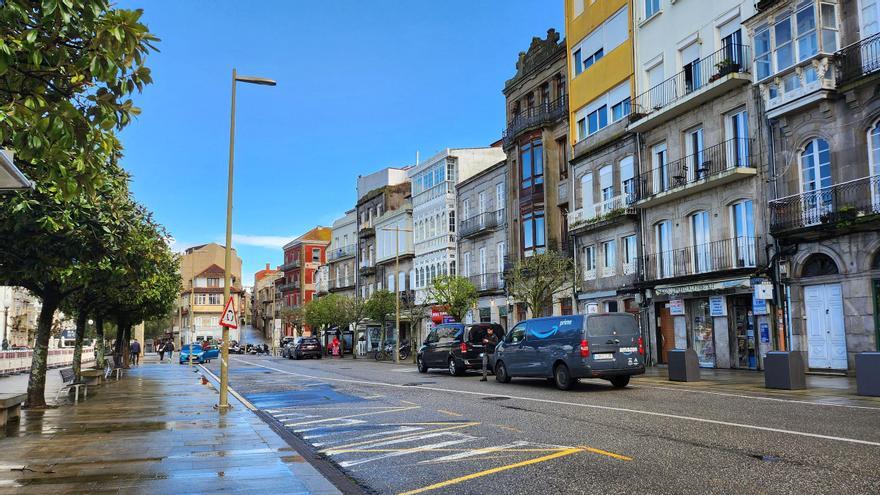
(536, 144)
(603, 221)
(700, 182)
(394, 255)
(266, 299)
(302, 257)
(434, 210)
(816, 68)
(375, 197)
(482, 240)
(342, 257)
(21, 309)
(201, 301)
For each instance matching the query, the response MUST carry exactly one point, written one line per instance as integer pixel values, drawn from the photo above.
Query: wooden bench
(70, 381)
(10, 407)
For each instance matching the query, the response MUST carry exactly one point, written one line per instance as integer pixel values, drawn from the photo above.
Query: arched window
(819, 264)
(875, 264)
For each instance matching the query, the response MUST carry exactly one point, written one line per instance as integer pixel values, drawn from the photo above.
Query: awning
(11, 178)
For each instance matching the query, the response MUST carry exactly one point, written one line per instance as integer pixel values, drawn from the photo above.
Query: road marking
(407, 370)
(476, 452)
(450, 413)
(509, 428)
(757, 397)
(404, 429)
(232, 391)
(487, 472)
(592, 406)
(606, 453)
(382, 442)
(373, 397)
(414, 450)
(369, 442)
(325, 420)
(342, 423)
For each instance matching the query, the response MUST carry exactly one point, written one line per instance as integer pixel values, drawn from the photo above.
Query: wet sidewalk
(155, 431)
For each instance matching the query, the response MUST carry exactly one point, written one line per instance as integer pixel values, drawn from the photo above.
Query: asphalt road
(394, 430)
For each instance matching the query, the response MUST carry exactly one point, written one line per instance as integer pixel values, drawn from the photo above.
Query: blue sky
(361, 86)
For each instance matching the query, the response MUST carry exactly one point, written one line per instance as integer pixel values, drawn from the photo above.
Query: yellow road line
(509, 428)
(606, 453)
(487, 472)
(444, 411)
(395, 437)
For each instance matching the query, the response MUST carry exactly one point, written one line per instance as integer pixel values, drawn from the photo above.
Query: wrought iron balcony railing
(290, 265)
(733, 58)
(549, 111)
(342, 252)
(288, 287)
(845, 202)
(342, 283)
(483, 222)
(488, 281)
(726, 254)
(604, 210)
(859, 59)
(700, 166)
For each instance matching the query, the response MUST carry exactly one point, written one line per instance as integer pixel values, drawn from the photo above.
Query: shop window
(818, 265)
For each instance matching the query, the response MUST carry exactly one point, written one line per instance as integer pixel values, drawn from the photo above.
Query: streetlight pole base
(222, 408)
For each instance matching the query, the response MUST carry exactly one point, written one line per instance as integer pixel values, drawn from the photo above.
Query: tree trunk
(36, 391)
(81, 319)
(126, 346)
(117, 345)
(101, 349)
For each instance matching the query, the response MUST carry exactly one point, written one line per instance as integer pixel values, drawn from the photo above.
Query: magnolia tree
(456, 294)
(536, 279)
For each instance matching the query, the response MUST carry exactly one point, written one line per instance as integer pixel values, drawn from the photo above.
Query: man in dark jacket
(490, 340)
(135, 352)
(169, 348)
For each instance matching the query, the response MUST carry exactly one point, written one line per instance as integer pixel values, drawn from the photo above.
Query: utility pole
(397, 231)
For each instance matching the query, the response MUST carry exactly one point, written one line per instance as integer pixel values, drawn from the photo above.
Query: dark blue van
(566, 348)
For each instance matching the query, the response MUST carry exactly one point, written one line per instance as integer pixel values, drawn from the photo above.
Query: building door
(744, 339)
(665, 332)
(877, 314)
(826, 339)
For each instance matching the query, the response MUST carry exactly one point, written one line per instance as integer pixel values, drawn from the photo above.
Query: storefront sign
(764, 291)
(717, 306)
(674, 290)
(759, 306)
(676, 307)
(765, 333)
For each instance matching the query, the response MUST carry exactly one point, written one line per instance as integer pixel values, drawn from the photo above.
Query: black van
(455, 346)
(566, 348)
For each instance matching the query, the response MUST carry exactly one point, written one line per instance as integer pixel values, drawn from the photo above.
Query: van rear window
(605, 325)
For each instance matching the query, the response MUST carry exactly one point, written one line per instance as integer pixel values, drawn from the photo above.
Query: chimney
(267, 266)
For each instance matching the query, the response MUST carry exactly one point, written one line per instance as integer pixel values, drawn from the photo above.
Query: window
(589, 259)
(874, 158)
(582, 128)
(452, 221)
(316, 255)
(630, 252)
(609, 253)
(701, 239)
(763, 66)
(482, 202)
(660, 176)
(562, 158)
(499, 196)
(663, 239)
(605, 38)
(620, 110)
(533, 233)
(466, 265)
(651, 8)
(598, 119)
(610, 306)
(743, 220)
(516, 335)
(499, 252)
(587, 195)
(578, 62)
(215, 299)
(818, 265)
(532, 164)
(693, 150)
(213, 282)
(390, 286)
(201, 299)
(578, 7)
(595, 114)
(481, 259)
(796, 36)
(690, 64)
(807, 40)
(815, 178)
(738, 130)
(627, 180)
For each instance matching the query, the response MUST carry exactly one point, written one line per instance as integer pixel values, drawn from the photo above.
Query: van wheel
(562, 377)
(620, 381)
(501, 375)
(421, 365)
(454, 370)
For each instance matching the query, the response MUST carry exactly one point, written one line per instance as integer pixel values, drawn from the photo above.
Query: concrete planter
(684, 366)
(785, 370)
(868, 373)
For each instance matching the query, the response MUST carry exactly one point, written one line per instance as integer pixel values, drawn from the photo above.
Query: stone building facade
(342, 256)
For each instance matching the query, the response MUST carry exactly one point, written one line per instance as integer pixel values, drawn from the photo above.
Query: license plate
(629, 350)
(605, 356)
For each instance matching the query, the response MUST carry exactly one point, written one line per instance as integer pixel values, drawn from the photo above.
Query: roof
(318, 234)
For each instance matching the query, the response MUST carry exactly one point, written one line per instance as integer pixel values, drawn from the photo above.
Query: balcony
(367, 270)
(705, 169)
(697, 83)
(488, 282)
(341, 284)
(290, 265)
(366, 230)
(544, 113)
(337, 254)
(288, 287)
(483, 223)
(851, 206)
(858, 60)
(712, 257)
(604, 213)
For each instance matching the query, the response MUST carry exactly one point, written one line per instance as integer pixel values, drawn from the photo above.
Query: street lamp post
(397, 231)
(224, 353)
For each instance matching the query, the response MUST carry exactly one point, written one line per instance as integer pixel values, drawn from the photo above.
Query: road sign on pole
(228, 319)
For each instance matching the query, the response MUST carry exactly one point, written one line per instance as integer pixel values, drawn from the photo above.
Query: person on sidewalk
(135, 352)
(334, 347)
(490, 340)
(161, 351)
(169, 348)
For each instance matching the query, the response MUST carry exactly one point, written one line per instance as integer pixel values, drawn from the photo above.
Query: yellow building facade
(201, 301)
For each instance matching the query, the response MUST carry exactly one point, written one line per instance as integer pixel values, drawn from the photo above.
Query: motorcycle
(387, 351)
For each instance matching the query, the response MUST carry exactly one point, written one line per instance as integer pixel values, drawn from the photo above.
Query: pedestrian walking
(169, 348)
(135, 352)
(334, 347)
(161, 351)
(490, 340)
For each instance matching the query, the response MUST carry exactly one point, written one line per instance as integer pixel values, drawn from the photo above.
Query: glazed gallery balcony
(483, 223)
(544, 113)
(697, 83)
(859, 59)
(853, 205)
(709, 258)
(707, 168)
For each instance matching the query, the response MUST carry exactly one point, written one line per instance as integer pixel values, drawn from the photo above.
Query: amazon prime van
(566, 348)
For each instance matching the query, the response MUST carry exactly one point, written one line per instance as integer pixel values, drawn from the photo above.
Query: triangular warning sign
(228, 320)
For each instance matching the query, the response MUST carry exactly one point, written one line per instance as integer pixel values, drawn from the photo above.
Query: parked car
(455, 346)
(303, 347)
(199, 355)
(567, 348)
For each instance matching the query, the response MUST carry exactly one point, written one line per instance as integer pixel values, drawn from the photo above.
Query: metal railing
(859, 59)
(733, 58)
(291, 265)
(481, 222)
(702, 165)
(605, 209)
(342, 252)
(342, 283)
(726, 254)
(288, 287)
(488, 281)
(829, 205)
(548, 111)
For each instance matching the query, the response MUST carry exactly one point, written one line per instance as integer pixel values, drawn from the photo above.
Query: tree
(349, 313)
(536, 279)
(293, 317)
(413, 312)
(379, 307)
(456, 294)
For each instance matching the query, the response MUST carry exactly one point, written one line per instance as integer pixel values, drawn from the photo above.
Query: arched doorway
(823, 307)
